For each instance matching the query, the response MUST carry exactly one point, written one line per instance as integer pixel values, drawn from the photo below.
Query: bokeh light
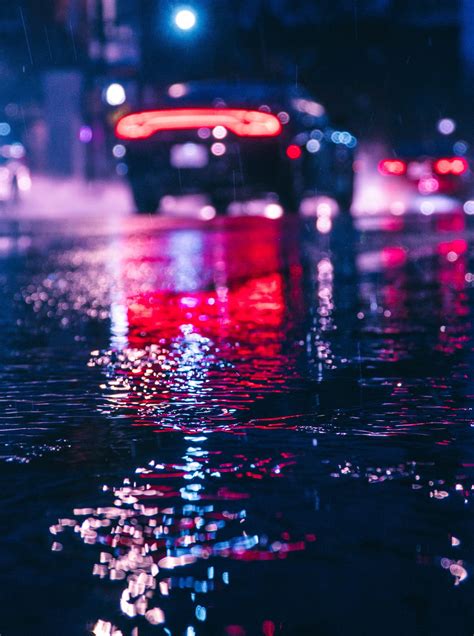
(115, 95)
(185, 19)
(446, 126)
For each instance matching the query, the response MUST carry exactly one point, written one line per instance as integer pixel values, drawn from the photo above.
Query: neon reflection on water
(196, 360)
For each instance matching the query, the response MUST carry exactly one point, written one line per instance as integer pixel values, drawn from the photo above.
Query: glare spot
(85, 134)
(452, 257)
(428, 185)
(323, 209)
(185, 19)
(397, 208)
(24, 182)
(121, 169)
(460, 147)
(313, 146)
(177, 90)
(115, 94)
(345, 137)
(293, 151)
(273, 211)
(219, 132)
(469, 207)
(427, 208)
(12, 109)
(218, 149)
(17, 151)
(283, 117)
(324, 224)
(309, 107)
(207, 212)
(204, 133)
(446, 126)
(119, 151)
(352, 143)
(5, 129)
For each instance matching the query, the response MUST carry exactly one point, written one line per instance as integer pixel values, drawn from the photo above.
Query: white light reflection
(118, 325)
(318, 344)
(118, 306)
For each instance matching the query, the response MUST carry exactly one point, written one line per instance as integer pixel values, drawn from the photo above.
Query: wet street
(242, 427)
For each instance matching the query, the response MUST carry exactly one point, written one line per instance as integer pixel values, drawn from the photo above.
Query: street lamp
(185, 19)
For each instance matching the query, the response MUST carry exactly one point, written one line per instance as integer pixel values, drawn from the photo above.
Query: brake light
(244, 123)
(392, 167)
(293, 152)
(451, 165)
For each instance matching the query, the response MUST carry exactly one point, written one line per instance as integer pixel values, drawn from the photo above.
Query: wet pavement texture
(236, 428)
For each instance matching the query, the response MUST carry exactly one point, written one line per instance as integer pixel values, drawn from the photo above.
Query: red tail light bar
(392, 167)
(244, 123)
(450, 165)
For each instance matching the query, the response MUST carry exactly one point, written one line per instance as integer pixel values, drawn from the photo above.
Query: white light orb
(185, 19)
(115, 94)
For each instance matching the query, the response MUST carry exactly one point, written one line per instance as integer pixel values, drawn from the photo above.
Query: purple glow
(85, 134)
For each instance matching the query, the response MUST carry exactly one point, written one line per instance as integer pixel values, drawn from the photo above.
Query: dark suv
(234, 141)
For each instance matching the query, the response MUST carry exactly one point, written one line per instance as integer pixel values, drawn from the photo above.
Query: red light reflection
(225, 313)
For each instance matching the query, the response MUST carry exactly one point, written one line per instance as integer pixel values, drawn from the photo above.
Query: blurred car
(235, 141)
(15, 175)
(428, 171)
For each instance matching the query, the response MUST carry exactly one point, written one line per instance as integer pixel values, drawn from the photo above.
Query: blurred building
(380, 63)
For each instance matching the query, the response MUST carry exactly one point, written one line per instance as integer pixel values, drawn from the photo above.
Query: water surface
(236, 428)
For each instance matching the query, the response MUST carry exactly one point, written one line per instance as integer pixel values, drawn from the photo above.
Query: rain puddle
(237, 428)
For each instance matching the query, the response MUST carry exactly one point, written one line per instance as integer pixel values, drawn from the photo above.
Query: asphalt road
(236, 427)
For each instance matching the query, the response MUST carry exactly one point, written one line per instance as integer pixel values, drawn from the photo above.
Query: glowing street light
(115, 95)
(185, 19)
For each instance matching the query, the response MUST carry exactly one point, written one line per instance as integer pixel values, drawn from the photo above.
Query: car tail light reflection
(451, 165)
(392, 167)
(241, 122)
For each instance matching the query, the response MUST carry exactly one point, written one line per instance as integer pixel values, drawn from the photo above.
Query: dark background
(387, 69)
